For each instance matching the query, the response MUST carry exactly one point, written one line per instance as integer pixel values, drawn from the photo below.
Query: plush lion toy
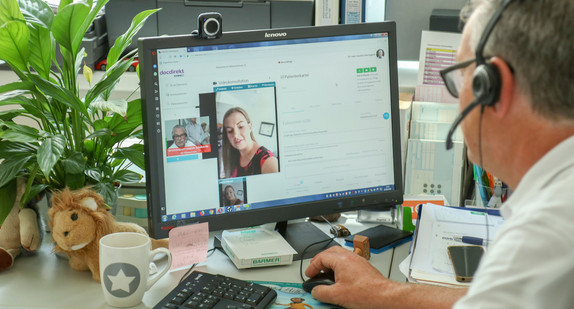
(78, 219)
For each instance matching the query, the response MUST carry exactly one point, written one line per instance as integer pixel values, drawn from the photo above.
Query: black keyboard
(203, 290)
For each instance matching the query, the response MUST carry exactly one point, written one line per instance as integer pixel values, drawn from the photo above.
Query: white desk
(47, 281)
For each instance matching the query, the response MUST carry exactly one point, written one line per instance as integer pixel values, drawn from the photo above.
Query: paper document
(438, 51)
(437, 227)
(188, 244)
(431, 169)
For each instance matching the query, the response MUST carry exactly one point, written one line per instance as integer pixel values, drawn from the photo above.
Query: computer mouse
(324, 278)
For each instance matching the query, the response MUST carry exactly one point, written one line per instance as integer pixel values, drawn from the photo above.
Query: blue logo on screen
(386, 116)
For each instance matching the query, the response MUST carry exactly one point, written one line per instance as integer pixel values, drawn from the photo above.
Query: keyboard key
(169, 306)
(177, 300)
(191, 304)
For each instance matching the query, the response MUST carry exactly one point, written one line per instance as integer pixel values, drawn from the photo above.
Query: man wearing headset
(515, 83)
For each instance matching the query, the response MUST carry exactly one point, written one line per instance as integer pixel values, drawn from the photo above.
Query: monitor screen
(264, 126)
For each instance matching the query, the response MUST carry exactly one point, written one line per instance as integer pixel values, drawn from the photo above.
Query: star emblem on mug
(121, 279)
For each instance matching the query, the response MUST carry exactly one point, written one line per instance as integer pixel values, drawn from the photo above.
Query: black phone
(465, 260)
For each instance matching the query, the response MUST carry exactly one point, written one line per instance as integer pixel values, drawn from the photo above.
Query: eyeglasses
(180, 136)
(452, 76)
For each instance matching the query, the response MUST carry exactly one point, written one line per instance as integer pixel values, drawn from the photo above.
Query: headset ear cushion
(486, 84)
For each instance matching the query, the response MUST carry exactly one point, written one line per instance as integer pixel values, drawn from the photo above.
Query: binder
(326, 12)
(352, 11)
(428, 261)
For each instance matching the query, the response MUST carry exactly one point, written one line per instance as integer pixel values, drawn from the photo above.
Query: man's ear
(507, 87)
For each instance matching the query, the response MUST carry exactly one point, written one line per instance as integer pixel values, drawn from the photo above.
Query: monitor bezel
(153, 160)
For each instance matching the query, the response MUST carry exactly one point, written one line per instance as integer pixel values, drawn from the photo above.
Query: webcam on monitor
(209, 25)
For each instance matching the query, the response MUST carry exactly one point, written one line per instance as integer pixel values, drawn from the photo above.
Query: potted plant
(77, 139)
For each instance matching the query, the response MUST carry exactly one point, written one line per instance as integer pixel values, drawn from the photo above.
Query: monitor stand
(299, 235)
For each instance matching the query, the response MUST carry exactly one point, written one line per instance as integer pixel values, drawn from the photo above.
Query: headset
(486, 78)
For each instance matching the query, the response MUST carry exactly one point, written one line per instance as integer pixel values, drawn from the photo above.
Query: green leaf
(22, 85)
(9, 97)
(60, 94)
(116, 106)
(100, 133)
(34, 191)
(63, 4)
(75, 163)
(15, 136)
(9, 10)
(100, 124)
(105, 85)
(41, 50)
(37, 12)
(50, 152)
(127, 176)
(12, 167)
(10, 149)
(123, 41)
(19, 133)
(90, 18)
(75, 181)
(7, 199)
(108, 192)
(14, 37)
(134, 153)
(132, 120)
(138, 134)
(7, 115)
(94, 173)
(66, 26)
(33, 107)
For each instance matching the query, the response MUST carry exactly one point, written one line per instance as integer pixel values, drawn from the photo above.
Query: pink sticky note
(188, 244)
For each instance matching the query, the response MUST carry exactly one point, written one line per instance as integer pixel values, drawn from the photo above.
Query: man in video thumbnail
(179, 137)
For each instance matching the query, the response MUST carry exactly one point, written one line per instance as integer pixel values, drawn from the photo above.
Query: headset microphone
(457, 121)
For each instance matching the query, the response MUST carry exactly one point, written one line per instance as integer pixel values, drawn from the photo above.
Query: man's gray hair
(177, 126)
(536, 38)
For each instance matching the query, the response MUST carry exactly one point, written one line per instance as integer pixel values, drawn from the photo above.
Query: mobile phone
(465, 261)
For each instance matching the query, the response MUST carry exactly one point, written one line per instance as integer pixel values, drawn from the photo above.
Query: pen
(472, 240)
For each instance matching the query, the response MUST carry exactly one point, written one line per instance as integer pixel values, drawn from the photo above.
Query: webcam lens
(211, 26)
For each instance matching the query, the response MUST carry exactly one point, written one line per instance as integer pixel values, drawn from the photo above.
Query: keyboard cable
(209, 253)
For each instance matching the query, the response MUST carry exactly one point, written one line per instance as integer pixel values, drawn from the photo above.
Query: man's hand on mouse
(355, 278)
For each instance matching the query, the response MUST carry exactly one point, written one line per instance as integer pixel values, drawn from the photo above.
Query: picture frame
(266, 128)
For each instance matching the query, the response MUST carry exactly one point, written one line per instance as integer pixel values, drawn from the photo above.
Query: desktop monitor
(322, 101)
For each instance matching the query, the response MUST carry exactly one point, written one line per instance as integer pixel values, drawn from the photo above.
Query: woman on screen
(242, 155)
(229, 197)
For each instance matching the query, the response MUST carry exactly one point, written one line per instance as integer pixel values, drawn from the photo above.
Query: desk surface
(47, 281)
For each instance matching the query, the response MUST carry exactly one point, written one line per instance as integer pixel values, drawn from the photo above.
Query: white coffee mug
(124, 267)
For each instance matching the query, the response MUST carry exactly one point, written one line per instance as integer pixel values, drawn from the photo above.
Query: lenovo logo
(275, 35)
